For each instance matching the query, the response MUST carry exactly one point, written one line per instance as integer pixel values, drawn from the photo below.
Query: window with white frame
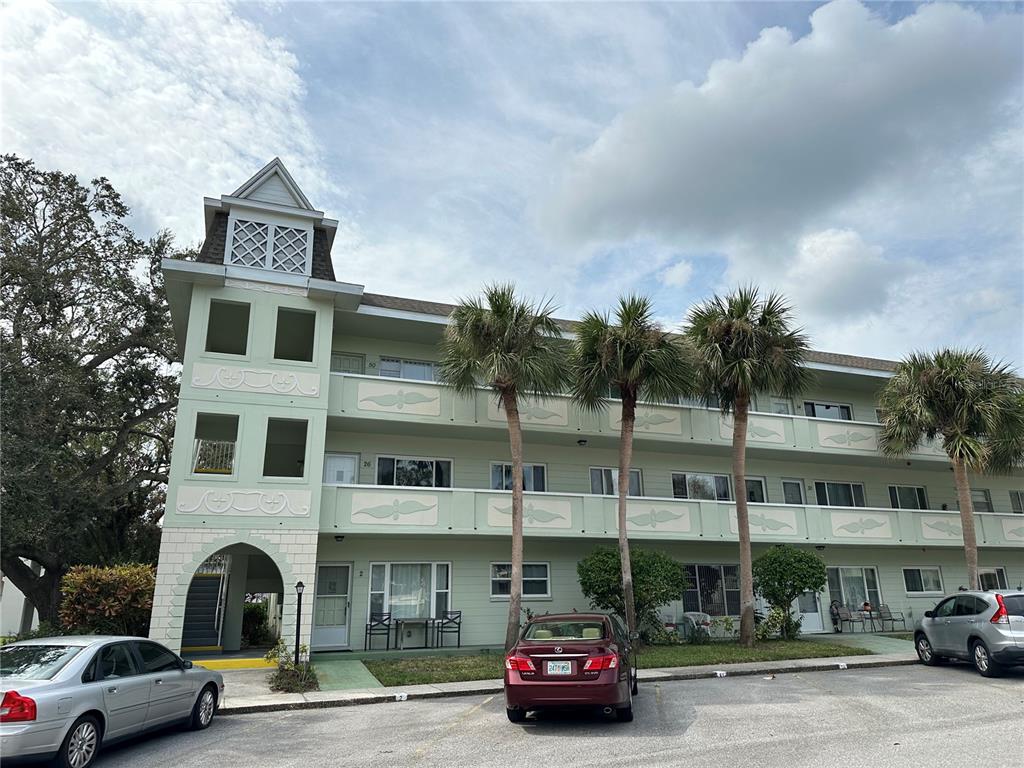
(908, 497)
(410, 590)
(269, 246)
(700, 402)
(416, 472)
(821, 410)
(854, 586)
(712, 589)
(536, 580)
(605, 481)
(831, 494)
(981, 500)
(923, 581)
(1017, 502)
(347, 362)
(341, 468)
(992, 578)
(780, 405)
(701, 486)
(397, 368)
(534, 477)
(792, 490)
(756, 490)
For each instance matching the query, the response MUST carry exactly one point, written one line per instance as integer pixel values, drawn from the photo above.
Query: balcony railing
(213, 457)
(376, 397)
(457, 511)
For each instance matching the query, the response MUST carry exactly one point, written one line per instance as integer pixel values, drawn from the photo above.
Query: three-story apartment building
(314, 444)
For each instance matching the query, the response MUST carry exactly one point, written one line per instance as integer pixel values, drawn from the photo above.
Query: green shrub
(255, 626)
(114, 600)
(290, 677)
(781, 575)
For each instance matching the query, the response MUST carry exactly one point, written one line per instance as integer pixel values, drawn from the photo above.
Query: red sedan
(571, 660)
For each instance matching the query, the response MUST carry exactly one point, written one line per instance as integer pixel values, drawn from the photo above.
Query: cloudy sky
(867, 160)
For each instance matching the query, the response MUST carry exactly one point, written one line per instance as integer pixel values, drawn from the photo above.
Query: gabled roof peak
(273, 184)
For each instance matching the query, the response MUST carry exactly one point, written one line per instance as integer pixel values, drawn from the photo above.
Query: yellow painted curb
(234, 663)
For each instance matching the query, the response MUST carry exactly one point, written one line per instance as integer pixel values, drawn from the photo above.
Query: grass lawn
(451, 669)
(901, 636)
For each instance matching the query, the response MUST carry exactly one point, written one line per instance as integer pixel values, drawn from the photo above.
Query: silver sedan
(66, 696)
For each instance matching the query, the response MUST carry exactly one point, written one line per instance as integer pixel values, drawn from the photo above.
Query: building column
(234, 604)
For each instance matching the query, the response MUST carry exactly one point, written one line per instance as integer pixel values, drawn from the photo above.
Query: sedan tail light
(519, 663)
(1000, 616)
(596, 663)
(17, 708)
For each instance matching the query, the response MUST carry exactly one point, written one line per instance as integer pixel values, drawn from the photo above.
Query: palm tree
(634, 356)
(510, 346)
(745, 345)
(974, 403)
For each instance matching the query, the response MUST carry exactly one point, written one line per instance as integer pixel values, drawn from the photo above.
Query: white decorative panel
(538, 512)
(249, 243)
(1013, 529)
(661, 421)
(210, 376)
(666, 516)
(289, 253)
(554, 413)
(860, 525)
(194, 500)
(941, 527)
(383, 508)
(398, 397)
(760, 429)
(765, 521)
(859, 437)
(250, 285)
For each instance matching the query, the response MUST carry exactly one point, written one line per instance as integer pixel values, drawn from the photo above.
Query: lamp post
(299, 587)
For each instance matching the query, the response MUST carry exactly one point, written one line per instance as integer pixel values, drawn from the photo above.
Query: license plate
(559, 667)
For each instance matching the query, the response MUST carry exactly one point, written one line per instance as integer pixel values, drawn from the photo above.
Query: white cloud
(677, 275)
(170, 101)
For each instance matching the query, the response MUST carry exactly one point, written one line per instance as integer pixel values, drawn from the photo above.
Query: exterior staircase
(201, 630)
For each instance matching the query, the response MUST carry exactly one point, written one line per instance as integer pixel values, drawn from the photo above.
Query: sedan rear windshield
(565, 630)
(1014, 604)
(35, 662)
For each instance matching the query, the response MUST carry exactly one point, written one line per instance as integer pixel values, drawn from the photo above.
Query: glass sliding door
(853, 586)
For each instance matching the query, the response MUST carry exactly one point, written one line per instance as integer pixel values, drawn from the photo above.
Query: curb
(332, 699)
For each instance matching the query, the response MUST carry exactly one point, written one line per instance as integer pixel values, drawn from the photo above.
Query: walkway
(866, 640)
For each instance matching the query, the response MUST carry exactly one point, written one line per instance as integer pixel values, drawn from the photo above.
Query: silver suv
(985, 628)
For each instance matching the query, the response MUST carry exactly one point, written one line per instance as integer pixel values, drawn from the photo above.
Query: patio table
(426, 621)
(870, 616)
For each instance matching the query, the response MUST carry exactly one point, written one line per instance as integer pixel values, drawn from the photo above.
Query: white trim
(803, 491)
(921, 488)
(494, 464)
(504, 598)
(728, 480)
(387, 583)
(851, 483)
(358, 458)
(837, 403)
(878, 581)
(275, 166)
(996, 569)
(924, 593)
(615, 470)
(848, 369)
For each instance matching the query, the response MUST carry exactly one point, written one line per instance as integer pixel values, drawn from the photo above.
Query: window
(35, 662)
(1017, 502)
(700, 402)
(780, 405)
(268, 246)
(922, 581)
(839, 494)
(945, 608)
(117, 661)
(969, 605)
(828, 410)
(992, 578)
(534, 477)
(565, 630)
(346, 362)
(417, 370)
(756, 490)
(853, 586)
(908, 497)
(213, 449)
(296, 333)
(981, 500)
(227, 328)
(879, 415)
(536, 580)
(712, 589)
(157, 659)
(423, 473)
(696, 485)
(604, 481)
(793, 491)
(285, 452)
(410, 590)
(341, 468)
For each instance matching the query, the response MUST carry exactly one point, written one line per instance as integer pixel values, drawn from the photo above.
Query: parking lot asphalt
(897, 716)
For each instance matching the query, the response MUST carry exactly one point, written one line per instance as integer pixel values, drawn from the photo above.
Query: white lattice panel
(289, 249)
(249, 243)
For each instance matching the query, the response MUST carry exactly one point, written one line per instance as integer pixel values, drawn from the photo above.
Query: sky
(867, 160)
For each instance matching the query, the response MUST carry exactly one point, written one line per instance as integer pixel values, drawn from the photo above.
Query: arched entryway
(234, 601)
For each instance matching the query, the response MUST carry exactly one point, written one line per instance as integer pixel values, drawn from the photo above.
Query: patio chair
(379, 624)
(450, 623)
(846, 617)
(884, 614)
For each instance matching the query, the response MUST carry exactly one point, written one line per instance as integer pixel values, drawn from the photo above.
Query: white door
(330, 607)
(809, 606)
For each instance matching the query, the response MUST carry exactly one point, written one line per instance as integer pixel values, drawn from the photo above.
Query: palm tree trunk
(963, 494)
(625, 461)
(515, 438)
(739, 474)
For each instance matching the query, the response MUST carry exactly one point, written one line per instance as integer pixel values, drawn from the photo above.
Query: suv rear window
(565, 630)
(1014, 604)
(35, 662)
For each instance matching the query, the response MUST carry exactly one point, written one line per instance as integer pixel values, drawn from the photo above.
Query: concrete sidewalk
(244, 704)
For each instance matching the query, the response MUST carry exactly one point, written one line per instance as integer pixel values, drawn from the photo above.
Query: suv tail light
(17, 708)
(1000, 616)
(597, 663)
(519, 663)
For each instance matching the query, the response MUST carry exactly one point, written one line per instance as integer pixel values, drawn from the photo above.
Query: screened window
(284, 454)
(697, 485)
(295, 335)
(534, 477)
(410, 590)
(927, 581)
(712, 589)
(793, 491)
(828, 410)
(981, 500)
(346, 362)
(213, 449)
(839, 494)
(536, 580)
(853, 586)
(992, 578)
(227, 327)
(341, 468)
(908, 497)
(423, 473)
(605, 481)
(397, 368)
(1017, 501)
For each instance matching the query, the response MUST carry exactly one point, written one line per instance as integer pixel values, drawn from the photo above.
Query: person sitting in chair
(866, 607)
